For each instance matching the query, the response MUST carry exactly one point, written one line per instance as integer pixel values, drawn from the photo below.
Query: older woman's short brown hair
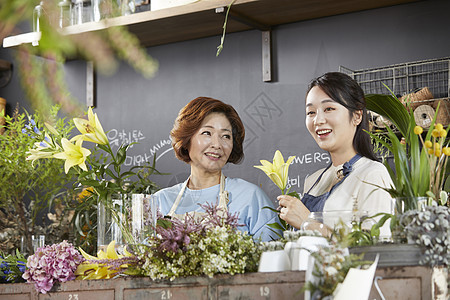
(190, 119)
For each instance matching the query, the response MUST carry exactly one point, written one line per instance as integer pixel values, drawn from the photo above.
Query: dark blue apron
(316, 203)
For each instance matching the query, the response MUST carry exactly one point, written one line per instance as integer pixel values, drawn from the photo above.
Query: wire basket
(405, 78)
(422, 83)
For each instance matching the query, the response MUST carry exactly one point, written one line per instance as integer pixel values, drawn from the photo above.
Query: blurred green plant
(46, 61)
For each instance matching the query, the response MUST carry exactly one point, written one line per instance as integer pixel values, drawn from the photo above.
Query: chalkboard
(273, 116)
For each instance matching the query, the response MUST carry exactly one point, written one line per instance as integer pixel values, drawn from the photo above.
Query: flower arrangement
(437, 156)
(106, 265)
(331, 265)
(278, 172)
(192, 247)
(52, 264)
(12, 266)
(419, 171)
(430, 229)
(103, 174)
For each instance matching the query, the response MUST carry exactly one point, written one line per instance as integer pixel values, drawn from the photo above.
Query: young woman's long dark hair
(347, 92)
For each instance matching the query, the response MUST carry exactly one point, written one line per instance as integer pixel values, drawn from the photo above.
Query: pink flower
(50, 264)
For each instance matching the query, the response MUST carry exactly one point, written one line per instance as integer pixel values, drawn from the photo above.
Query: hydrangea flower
(51, 264)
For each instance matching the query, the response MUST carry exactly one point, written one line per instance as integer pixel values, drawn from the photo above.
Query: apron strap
(223, 196)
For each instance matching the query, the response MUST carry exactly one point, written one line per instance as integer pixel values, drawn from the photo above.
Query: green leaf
(390, 107)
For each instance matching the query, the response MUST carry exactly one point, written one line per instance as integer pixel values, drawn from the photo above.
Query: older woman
(336, 118)
(207, 135)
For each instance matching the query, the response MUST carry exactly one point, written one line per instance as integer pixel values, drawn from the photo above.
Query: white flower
(331, 271)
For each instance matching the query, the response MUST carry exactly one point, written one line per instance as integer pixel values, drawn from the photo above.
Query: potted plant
(419, 173)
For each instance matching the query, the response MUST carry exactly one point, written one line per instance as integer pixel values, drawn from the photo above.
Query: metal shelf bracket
(266, 39)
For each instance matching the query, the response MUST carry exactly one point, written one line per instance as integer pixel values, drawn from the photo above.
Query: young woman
(336, 118)
(207, 135)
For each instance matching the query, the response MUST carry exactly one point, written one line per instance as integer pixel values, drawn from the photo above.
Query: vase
(402, 204)
(110, 219)
(327, 221)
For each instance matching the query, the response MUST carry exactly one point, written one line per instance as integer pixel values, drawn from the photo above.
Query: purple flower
(50, 264)
(178, 236)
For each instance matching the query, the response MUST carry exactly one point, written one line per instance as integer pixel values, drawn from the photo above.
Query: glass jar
(327, 221)
(110, 221)
(65, 11)
(82, 12)
(36, 16)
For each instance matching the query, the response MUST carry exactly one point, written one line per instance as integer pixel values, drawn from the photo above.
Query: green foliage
(19, 179)
(103, 47)
(222, 39)
(331, 265)
(12, 266)
(411, 175)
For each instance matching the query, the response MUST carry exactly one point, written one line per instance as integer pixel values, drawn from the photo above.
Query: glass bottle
(82, 12)
(65, 7)
(36, 16)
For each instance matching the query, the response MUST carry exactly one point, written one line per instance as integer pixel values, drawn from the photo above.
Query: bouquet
(192, 247)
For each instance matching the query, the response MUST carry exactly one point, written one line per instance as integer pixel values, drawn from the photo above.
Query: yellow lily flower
(74, 154)
(278, 170)
(42, 150)
(91, 129)
(91, 270)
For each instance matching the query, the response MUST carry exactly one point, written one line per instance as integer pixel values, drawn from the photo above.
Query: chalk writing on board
(312, 158)
(294, 182)
(262, 110)
(159, 149)
(118, 137)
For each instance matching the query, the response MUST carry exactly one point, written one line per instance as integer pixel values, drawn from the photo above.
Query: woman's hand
(293, 211)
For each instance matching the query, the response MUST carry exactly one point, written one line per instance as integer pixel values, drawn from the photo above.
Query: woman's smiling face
(329, 122)
(211, 146)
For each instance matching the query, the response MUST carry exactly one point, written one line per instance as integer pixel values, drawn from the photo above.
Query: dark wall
(137, 109)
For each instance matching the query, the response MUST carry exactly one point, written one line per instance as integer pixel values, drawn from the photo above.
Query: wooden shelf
(199, 19)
